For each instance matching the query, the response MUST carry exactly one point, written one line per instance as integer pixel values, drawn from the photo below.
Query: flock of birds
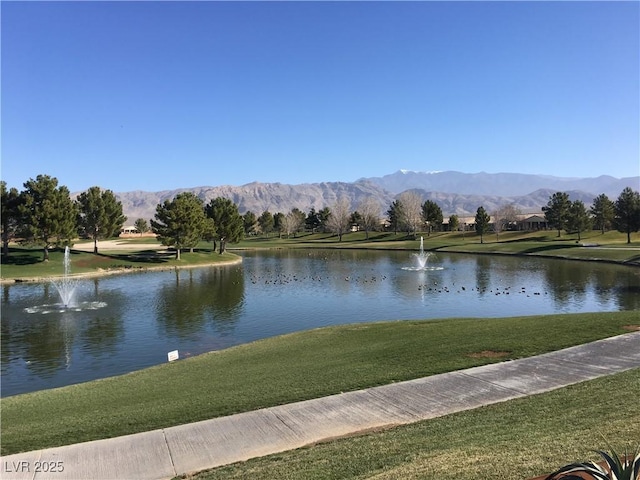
(268, 278)
(495, 291)
(283, 279)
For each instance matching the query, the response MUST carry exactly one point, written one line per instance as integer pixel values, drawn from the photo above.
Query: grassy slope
(509, 441)
(612, 246)
(281, 370)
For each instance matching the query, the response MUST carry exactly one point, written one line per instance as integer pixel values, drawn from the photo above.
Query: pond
(132, 321)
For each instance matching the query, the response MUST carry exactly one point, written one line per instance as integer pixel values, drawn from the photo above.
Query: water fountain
(422, 258)
(66, 286)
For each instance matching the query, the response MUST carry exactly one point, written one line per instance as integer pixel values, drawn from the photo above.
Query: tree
(180, 222)
(10, 216)
(299, 220)
(410, 214)
(292, 222)
(557, 210)
(431, 215)
(278, 221)
(227, 220)
(603, 212)
(369, 209)
(100, 214)
(355, 219)
(578, 219)
(324, 215)
(627, 212)
(250, 222)
(338, 221)
(393, 215)
(48, 212)
(313, 220)
(141, 225)
(503, 217)
(454, 223)
(482, 222)
(265, 221)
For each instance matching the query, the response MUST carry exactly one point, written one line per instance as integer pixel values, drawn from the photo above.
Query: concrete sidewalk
(163, 454)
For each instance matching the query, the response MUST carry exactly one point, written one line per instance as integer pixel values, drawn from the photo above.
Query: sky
(164, 95)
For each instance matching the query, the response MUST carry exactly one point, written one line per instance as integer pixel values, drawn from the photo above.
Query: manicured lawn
(285, 369)
(612, 246)
(514, 440)
(27, 262)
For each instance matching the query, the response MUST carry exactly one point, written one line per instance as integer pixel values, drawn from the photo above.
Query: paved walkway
(163, 454)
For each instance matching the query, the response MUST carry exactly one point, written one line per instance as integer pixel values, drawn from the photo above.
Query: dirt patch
(631, 328)
(489, 354)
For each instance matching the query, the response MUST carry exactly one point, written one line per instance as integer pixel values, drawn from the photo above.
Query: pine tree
(578, 219)
(603, 212)
(227, 219)
(48, 213)
(482, 222)
(557, 211)
(100, 214)
(431, 215)
(180, 222)
(627, 212)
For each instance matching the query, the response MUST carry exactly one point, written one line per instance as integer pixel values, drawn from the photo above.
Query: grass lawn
(514, 440)
(611, 246)
(27, 262)
(285, 369)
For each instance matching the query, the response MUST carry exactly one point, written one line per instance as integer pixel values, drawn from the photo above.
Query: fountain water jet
(66, 286)
(421, 258)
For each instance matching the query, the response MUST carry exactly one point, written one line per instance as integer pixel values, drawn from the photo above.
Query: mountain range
(455, 192)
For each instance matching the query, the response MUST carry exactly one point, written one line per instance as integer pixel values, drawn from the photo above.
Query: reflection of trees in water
(45, 342)
(627, 291)
(43, 345)
(196, 298)
(564, 283)
(483, 274)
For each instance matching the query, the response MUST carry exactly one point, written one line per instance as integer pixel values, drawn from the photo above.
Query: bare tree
(411, 211)
(291, 223)
(369, 209)
(503, 217)
(338, 221)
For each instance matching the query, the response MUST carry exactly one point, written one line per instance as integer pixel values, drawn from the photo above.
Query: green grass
(284, 369)
(514, 440)
(26, 263)
(546, 243)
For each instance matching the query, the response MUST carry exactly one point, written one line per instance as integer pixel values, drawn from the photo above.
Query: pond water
(132, 321)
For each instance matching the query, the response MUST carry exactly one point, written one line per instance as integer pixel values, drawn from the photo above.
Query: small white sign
(173, 355)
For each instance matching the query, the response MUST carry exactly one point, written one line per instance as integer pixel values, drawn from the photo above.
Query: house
(129, 230)
(534, 222)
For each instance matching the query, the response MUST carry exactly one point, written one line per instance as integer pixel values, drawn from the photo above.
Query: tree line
(44, 214)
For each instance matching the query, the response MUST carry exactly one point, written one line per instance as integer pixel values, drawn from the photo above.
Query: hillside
(455, 192)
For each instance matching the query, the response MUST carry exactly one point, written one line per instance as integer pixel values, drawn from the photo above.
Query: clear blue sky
(162, 95)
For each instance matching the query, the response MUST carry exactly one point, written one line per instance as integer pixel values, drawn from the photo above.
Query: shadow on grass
(544, 248)
(21, 256)
(142, 256)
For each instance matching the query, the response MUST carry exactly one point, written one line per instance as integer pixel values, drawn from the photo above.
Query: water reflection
(198, 297)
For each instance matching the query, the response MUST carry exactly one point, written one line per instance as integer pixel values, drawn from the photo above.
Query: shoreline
(119, 271)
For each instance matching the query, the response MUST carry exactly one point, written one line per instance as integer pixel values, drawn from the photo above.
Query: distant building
(129, 230)
(533, 222)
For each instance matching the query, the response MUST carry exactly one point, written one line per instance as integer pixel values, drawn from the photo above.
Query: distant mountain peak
(405, 171)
